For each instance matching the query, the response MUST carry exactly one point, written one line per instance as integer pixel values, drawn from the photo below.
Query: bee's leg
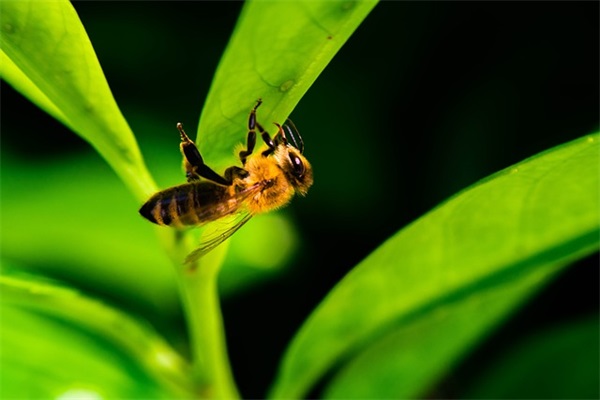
(274, 142)
(193, 163)
(251, 140)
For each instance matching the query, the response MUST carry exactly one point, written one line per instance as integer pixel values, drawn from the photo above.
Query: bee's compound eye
(298, 165)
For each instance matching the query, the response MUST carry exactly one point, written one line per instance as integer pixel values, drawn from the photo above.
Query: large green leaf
(277, 51)
(404, 314)
(86, 346)
(47, 56)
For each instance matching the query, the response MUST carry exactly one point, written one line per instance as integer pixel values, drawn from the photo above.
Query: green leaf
(277, 51)
(561, 363)
(85, 230)
(47, 56)
(401, 318)
(86, 346)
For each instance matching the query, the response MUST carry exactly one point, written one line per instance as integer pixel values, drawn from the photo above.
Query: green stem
(200, 297)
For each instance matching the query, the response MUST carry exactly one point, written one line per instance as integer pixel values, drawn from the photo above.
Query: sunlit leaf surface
(86, 346)
(404, 314)
(47, 55)
(277, 51)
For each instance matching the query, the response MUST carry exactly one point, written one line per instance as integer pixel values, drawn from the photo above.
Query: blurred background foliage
(425, 99)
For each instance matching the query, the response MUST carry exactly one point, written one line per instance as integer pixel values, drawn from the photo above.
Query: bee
(266, 181)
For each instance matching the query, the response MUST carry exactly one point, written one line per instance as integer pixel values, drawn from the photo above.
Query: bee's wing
(216, 233)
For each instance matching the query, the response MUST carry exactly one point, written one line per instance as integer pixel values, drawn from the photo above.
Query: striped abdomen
(192, 203)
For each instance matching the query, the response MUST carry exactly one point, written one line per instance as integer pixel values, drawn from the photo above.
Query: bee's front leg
(251, 139)
(193, 163)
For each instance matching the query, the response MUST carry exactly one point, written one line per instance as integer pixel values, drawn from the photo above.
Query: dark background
(425, 99)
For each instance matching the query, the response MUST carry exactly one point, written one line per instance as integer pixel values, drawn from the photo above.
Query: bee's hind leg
(193, 163)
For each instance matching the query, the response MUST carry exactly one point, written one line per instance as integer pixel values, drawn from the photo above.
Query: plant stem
(200, 297)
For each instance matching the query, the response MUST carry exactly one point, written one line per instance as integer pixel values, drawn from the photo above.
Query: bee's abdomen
(157, 210)
(182, 205)
(165, 208)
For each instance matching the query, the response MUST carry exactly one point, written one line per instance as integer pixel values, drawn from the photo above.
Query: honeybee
(266, 181)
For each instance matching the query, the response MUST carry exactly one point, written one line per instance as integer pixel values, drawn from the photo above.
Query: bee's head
(295, 167)
(288, 155)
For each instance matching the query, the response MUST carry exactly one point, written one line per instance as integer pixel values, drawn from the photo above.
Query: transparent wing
(216, 233)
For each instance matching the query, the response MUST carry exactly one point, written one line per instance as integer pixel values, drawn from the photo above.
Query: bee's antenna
(293, 135)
